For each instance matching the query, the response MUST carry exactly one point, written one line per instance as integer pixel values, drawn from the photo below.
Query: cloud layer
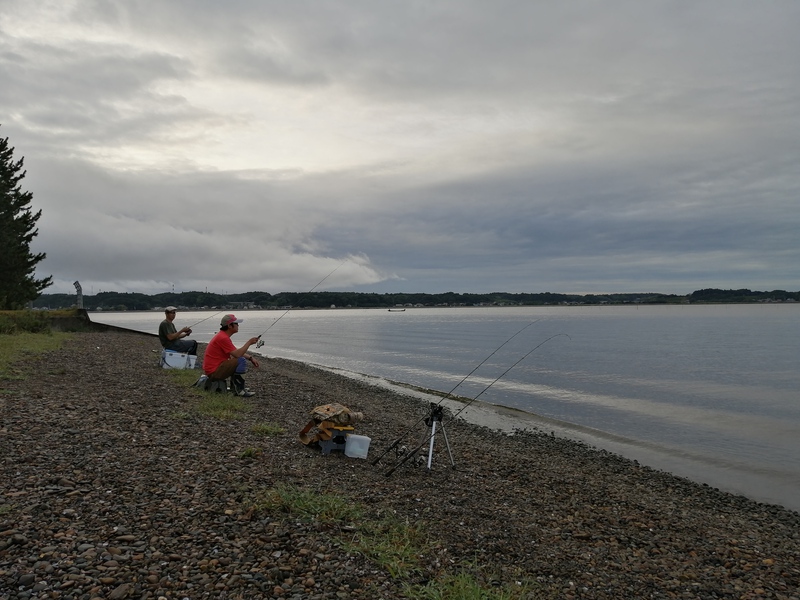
(419, 147)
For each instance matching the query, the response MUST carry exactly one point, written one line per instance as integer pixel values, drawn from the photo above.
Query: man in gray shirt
(171, 338)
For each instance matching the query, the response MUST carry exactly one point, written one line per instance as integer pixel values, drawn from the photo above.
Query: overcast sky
(414, 146)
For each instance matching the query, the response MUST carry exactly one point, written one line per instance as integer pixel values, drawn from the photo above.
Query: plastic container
(177, 360)
(356, 446)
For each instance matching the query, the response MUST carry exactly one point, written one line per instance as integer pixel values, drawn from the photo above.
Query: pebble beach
(113, 485)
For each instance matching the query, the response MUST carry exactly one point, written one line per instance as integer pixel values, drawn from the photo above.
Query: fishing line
(446, 396)
(409, 455)
(260, 341)
(504, 373)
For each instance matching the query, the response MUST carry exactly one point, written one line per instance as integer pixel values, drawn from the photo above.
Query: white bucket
(356, 446)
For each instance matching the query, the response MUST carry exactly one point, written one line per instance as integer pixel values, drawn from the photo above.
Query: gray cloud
(574, 147)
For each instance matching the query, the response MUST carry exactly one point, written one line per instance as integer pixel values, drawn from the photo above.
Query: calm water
(706, 392)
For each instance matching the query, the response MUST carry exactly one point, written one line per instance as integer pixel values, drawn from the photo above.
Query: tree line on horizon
(117, 301)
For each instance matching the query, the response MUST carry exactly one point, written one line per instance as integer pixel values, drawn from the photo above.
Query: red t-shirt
(218, 351)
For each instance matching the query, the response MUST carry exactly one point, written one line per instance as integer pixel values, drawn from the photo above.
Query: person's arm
(184, 332)
(239, 352)
(166, 331)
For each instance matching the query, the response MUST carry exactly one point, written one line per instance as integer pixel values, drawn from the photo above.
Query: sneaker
(245, 393)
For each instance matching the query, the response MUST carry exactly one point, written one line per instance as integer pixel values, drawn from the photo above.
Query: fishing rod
(411, 454)
(260, 341)
(204, 320)
(449, 394)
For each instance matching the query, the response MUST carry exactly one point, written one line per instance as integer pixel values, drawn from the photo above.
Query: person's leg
(184, 346)
(225, 370)
(237, 381)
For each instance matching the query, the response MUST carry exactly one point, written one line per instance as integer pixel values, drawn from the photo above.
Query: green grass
(465, 586)
(395, 545)
(268, 429)
(307, 505)
(18, 321)
(184, 377)
(221, 406)
(181, 415)
(14, 347)
(209, 404)
(250, 452)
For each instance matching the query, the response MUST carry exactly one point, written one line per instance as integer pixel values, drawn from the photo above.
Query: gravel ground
(112, 486)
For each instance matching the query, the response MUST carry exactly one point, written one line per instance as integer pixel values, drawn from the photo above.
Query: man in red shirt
(222, 359)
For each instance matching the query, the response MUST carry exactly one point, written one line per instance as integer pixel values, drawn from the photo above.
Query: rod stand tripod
(434, 418)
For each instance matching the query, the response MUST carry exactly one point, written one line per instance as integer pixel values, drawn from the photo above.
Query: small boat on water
(397, 310)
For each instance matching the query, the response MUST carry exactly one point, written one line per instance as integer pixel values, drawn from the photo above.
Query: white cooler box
(177, 360)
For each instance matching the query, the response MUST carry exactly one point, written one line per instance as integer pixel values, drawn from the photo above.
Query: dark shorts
(185, 346)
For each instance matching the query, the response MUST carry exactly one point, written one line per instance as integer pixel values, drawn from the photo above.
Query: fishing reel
(259, 343)
(436, 414)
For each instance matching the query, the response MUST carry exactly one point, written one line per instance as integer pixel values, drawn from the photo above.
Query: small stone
(120, 592)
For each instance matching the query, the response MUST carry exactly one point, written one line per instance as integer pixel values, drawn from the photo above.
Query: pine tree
(18, 285)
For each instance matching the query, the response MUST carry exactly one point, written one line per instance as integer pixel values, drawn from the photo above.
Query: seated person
(222, 359)
(171, 338)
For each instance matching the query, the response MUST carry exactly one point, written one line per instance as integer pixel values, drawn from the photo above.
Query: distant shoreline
(114, 301)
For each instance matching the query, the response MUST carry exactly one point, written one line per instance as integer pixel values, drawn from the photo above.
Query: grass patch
(14, 347)
(465, 586)
(389, 542)
(13, 322)
(210, 404)
(221, 406)
(250, 452)
(307, 505)
(184, 377)
(394, 545)
(268, 429)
